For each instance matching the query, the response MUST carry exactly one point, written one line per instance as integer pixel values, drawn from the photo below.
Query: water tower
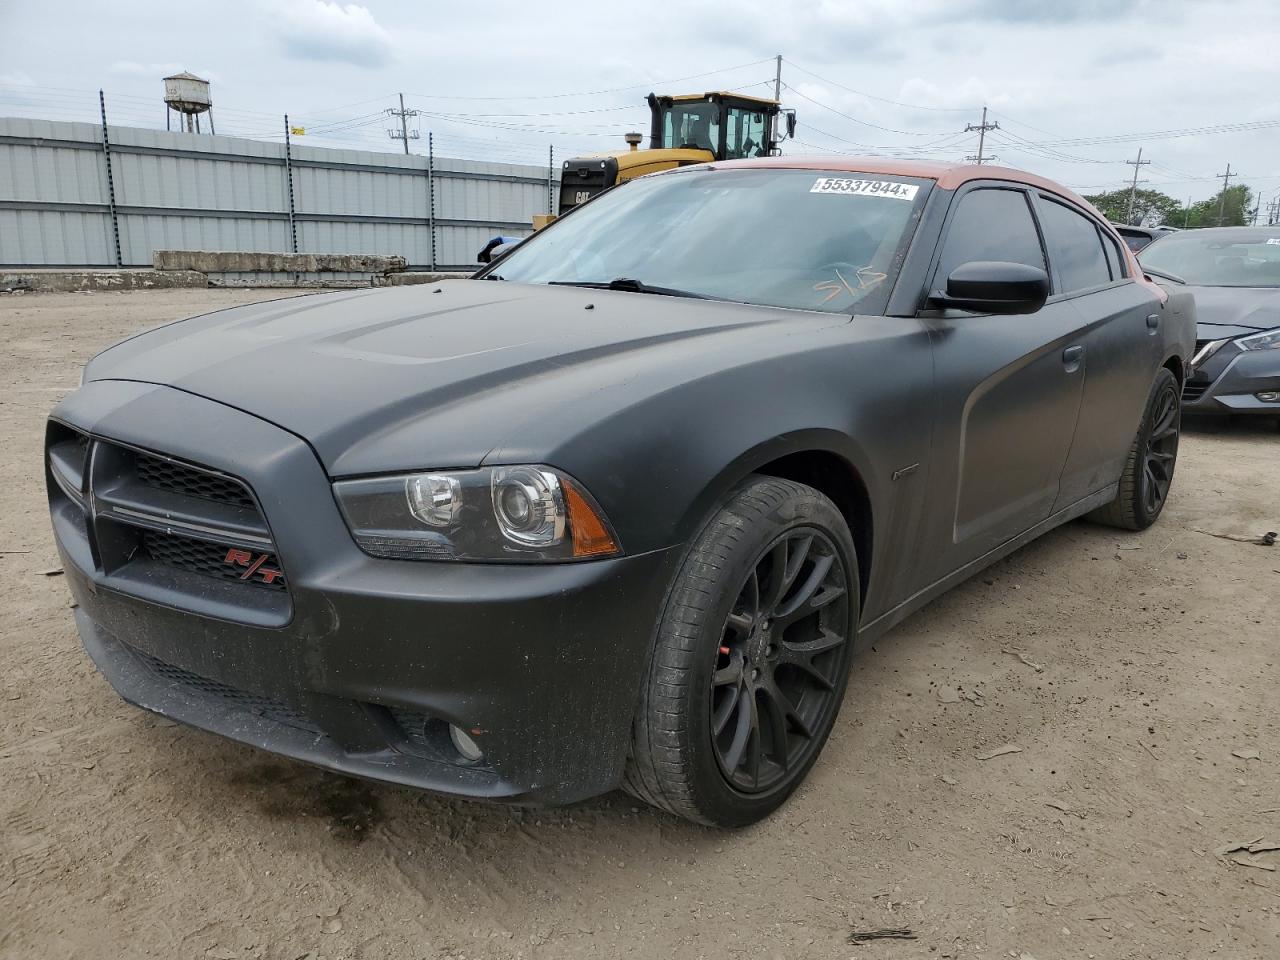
(189, 96)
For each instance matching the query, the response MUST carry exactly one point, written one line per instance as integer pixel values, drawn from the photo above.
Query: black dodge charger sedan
(1234, 275)
(620, 510)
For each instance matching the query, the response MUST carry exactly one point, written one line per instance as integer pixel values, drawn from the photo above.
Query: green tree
(1230, 208)
(1150, 207)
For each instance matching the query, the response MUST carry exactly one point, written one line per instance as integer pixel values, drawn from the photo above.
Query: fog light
(466, 747)
(1269, 396)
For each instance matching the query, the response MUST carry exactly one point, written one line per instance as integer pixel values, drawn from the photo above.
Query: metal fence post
(551, 172)
(111, 184)
(288, 172)
(431, 195)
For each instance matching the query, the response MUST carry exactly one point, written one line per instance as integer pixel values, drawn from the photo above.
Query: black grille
(267, 707)
(188, 481)
(81, 441)
(1193, 390)
(214, 559)
(166, 530)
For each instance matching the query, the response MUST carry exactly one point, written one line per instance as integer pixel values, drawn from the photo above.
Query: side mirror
(995, 286)
(791, 124)
(496, 248)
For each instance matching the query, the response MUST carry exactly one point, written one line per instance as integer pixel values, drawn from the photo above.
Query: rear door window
(1075, 247)
(990, 224)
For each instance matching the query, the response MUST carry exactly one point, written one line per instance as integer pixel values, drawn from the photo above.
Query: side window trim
(1108, 254)
(972, 187)
(1114, 247)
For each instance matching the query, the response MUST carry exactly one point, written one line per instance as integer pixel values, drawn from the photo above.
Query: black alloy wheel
(776, 671)
(1148, 469)
(1160, 451)
(751, 658)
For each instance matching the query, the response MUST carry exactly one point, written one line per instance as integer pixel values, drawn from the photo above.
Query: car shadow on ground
(1208, 424)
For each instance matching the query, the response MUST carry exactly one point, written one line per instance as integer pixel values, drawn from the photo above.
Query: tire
(1148, 470)
(721, 665)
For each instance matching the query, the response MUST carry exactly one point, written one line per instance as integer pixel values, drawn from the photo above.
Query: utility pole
(982, 129)
(403, 133)
(1133, 187)
(1222, 201)
(1186, 220)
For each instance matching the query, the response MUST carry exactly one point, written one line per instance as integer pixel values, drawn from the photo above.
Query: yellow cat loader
(688, 129)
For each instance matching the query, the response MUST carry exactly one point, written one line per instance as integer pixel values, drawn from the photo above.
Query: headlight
(1267, 340)
(521, 513)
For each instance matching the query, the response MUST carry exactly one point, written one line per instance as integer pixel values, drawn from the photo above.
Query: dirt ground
(1136, 675)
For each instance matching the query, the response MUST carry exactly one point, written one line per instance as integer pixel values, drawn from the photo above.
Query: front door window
(746, 133)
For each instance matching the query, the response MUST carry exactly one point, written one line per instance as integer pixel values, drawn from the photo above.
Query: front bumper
(1229, 380)
(369, 660)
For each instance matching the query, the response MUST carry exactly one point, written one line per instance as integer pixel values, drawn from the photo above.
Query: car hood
(1223, 312)
(439, 375)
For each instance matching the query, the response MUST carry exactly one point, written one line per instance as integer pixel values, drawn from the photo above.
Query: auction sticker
(865, 188)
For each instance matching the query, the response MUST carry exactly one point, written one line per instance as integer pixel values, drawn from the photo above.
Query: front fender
(661, 464)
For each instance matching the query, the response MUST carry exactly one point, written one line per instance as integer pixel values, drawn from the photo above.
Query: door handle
(1072, 356)
(1153, 321)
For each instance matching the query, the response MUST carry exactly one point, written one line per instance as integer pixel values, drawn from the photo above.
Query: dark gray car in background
(620, 510)
(1137, 238)
(1234, 275)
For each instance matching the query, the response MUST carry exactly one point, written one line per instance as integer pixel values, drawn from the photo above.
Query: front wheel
(1148, 471)
(752, 658)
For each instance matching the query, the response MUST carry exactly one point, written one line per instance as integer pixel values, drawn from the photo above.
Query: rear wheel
(752, 658)
(1148, 472)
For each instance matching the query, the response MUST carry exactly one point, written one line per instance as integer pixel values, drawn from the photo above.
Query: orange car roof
(949, 176)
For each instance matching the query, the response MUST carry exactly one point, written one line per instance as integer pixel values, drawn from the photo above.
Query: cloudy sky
(1077, 86)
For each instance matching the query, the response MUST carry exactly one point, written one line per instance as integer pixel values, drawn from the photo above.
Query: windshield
(1209, 258)
(695, 125)
(805, 239)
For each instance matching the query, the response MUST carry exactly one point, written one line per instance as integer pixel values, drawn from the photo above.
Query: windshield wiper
(1164, 276)
(493, 276)
(630, 286)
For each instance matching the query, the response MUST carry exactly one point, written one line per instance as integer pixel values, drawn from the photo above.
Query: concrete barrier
(238, 261)
(70, 281)
(327, 271)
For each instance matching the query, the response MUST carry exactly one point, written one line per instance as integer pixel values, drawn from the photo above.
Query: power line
(852, 119)
(872, 96)
(1023, 123)
(1211, 129)
(596, 93)
(1048, 153)
(949, 139)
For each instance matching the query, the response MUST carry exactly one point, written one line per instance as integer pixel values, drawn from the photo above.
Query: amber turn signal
(591, 538)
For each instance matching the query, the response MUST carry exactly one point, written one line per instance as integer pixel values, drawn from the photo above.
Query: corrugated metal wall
(186, 191)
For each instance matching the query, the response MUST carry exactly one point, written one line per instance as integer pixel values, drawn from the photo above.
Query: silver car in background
(1234, 273)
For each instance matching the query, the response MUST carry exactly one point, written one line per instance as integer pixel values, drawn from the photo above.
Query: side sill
(869, 632)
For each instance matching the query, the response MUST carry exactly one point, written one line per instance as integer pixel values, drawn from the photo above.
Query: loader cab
(728, 127)
(683, 130)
